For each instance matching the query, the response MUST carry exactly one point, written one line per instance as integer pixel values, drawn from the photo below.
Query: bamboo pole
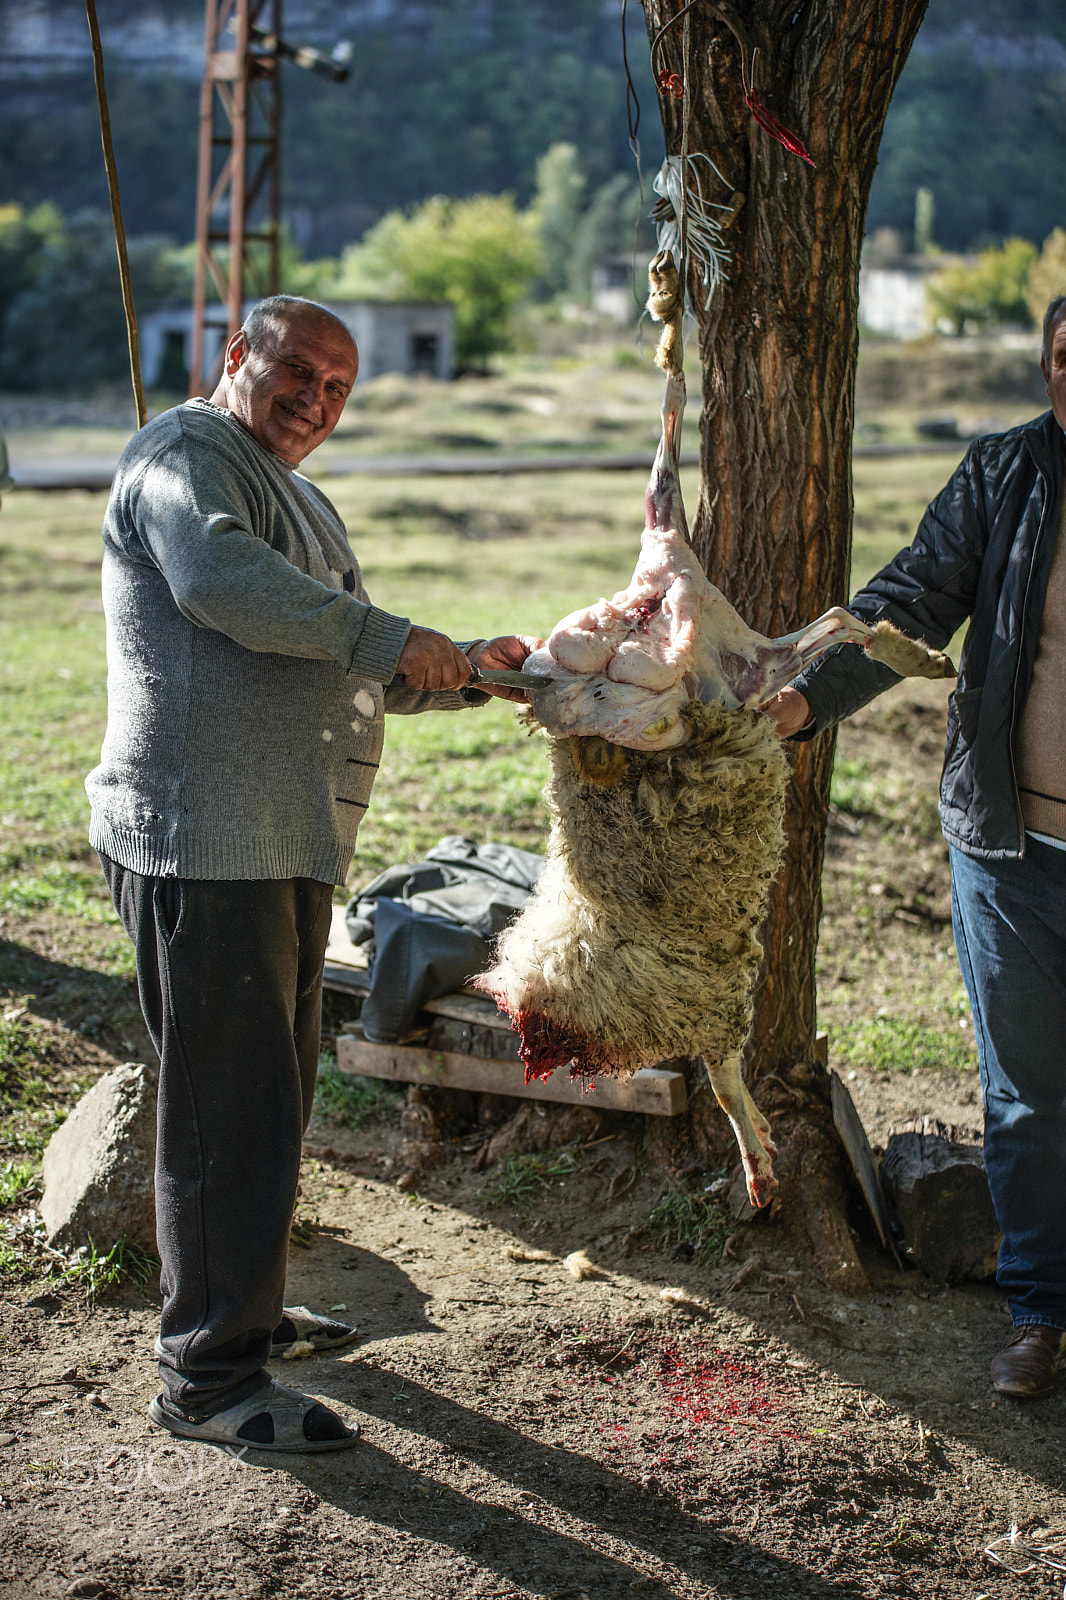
(116, 216)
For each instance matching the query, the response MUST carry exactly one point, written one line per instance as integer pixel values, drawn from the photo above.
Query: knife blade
(529, 681)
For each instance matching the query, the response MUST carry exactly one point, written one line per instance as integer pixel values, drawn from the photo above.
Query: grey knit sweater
(246, 666)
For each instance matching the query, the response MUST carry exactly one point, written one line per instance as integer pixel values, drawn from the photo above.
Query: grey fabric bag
(429, 925)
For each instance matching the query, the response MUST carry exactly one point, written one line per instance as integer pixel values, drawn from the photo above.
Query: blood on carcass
(546, 1045)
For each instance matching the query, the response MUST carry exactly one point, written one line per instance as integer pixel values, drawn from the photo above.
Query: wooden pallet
(487, 1060)
(654, 1091)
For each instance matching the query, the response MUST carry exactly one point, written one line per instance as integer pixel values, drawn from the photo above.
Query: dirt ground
(526, 1433)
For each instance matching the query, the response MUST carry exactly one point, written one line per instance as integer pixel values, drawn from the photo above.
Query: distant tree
(987, 294)
(66, 330)
(579, 230)
(982, 134)
(924, 213)
(480, 254)
(315, 279)
(24, 241)
(1048, 275)
(615, 224)
(556, 213)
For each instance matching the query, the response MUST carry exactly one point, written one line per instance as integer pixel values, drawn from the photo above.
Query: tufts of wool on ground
(640, 942)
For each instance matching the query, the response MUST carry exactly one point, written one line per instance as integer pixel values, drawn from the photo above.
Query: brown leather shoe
(1028, 1362)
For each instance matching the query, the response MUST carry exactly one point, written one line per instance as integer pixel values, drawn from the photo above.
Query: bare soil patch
(526, 1433)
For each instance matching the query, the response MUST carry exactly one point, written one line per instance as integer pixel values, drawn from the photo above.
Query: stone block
(99, 1165)
(939, 1191)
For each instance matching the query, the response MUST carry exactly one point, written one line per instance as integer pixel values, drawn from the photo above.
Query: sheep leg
(751, 1128)
(663, 506)
(782, 659)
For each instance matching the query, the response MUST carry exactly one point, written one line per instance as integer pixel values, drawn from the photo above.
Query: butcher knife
(530, 681)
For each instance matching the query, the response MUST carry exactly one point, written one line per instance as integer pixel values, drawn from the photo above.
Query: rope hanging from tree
(689, 224)
(677, 85)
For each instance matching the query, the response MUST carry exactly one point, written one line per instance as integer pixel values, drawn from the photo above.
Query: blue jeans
(1009, 919)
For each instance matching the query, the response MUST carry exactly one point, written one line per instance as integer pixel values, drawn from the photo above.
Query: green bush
(480, 254)
(66, 329)
(1047, 278)
(992, 292)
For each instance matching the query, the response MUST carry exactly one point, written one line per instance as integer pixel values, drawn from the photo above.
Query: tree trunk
(778, 348)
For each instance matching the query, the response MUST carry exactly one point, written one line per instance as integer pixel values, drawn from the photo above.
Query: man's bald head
(281, 308)
(287, 375)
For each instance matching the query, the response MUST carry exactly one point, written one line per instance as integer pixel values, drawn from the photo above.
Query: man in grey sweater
(248, 675)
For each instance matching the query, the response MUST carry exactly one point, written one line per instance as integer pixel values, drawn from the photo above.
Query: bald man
(248, 676)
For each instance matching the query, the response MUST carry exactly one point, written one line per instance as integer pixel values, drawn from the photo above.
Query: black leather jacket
(983, 550)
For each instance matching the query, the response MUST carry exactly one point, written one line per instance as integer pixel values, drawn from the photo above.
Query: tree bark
(778, 348)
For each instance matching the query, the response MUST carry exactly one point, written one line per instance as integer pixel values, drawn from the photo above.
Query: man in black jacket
(991, 548)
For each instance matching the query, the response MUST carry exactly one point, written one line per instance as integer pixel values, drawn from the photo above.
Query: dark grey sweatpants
(230, 980)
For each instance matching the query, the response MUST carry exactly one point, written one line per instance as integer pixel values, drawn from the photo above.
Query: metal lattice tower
(238, 198)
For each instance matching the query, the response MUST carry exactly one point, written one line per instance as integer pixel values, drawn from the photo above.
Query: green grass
(689, 1217)
(523, 1176)
(52, 701)
(890, 498)
(907, 1044)
(97, 1275)
(17, 1179)
(32, 1101)
(348, 1102)
(863, 791)
(15, 1264)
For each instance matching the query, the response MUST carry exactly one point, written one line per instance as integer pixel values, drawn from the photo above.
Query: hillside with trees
(499, 125)
(462, 99)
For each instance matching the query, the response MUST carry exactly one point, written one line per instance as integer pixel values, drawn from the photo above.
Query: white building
(892, 300)
(410, 337)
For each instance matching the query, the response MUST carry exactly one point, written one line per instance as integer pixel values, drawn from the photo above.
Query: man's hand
(789, 711)
(506, 654)
(430, 660)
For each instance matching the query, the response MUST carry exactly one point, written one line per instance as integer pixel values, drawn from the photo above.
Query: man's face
(290, 392)
(1055, 371)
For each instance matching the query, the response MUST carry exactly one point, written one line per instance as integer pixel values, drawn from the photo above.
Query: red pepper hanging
(777, 129)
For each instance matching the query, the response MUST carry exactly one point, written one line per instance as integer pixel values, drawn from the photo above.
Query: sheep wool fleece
(245, 663)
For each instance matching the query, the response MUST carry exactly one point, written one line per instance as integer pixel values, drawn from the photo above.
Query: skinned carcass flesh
(622, 669)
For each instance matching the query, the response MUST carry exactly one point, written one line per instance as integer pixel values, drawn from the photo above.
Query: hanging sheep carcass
(641, 940)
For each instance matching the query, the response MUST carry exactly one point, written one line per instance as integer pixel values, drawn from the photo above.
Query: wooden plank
(857, 1145)
(654, 1091)
(345, 979)
(471, 1008)
(467, 1039)
(345, 967)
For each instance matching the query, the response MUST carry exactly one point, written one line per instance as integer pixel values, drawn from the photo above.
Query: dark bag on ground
(428, 927)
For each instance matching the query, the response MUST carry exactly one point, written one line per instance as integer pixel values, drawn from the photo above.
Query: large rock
(99, 1165)
(940, 1193)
